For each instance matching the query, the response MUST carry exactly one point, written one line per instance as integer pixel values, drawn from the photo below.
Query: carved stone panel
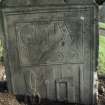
(44, 42)
(54, 82)
(51, 51)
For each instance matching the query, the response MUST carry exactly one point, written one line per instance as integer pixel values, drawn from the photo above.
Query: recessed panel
(44, 42)
(62, 91)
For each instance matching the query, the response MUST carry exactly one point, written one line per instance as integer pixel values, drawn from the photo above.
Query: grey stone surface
(102, 32)
(102, 13)
(41, 2)
(1, 28)
(52, 51)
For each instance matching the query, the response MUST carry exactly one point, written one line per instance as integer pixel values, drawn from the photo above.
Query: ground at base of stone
(8, 99)
(101, 92)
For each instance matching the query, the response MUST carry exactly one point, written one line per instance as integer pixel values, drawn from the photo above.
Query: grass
(101, 60)
(101, 66)
(101, 25)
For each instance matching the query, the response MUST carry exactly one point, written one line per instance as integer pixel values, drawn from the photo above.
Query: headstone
(51, 48)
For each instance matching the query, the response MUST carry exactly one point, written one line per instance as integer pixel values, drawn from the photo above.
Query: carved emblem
(42, 42)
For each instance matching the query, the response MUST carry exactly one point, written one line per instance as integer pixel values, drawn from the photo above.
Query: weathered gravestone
(51, 48)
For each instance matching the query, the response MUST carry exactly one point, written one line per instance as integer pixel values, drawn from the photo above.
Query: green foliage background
(101, 60)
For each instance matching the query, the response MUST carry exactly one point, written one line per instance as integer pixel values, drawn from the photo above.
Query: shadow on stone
(31, 100)
(3, 86)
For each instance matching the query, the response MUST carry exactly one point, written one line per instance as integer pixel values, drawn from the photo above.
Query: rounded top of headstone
(43, 2)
